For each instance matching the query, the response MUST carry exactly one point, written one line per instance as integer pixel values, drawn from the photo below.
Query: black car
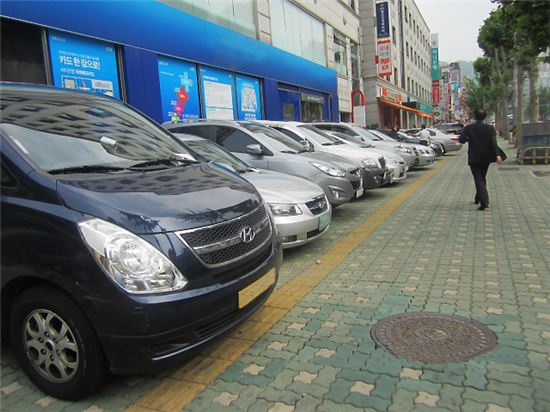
(120, 251)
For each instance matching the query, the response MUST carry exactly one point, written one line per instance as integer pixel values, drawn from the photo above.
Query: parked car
(300, 208)
(374, 168)
(449, 142)
(451, 128)
(266, 148)
(119, 250)
(401, 154)
(426, 155)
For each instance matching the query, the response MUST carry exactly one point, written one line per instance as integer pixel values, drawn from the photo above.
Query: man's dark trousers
(479, 171)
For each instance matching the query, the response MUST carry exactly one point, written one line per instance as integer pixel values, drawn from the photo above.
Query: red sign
(435, 91)
(384, 58)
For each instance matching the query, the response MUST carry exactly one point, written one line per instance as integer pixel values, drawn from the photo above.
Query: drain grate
(541, 173)
(433, 337)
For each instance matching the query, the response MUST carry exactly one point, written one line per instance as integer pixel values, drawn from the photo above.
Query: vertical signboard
(435, 68)
(179, 90)
(249, 105)
(384, 57)
(435, 91)
(217, 94)
(83, 64)
(382, 20)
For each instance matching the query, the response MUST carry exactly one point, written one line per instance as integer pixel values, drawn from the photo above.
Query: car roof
(186, 137)
(16, 87)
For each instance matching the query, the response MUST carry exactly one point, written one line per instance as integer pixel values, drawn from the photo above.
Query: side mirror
(254, 149)
(307, 145)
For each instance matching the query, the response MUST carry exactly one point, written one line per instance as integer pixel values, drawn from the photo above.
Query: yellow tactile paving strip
(178, 390)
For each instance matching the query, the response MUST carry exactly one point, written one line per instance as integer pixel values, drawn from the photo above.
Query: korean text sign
(384, 58)
(83, 64)
(179, 89)
(217, 93)
(382, 20)
(248, 98)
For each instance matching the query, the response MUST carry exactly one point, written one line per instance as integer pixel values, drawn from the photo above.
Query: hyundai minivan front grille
(230, 241)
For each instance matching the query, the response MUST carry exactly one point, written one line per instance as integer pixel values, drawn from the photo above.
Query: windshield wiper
(162, 163)
(86, 169)
(327, 144)
(338, 142)
(292, 151)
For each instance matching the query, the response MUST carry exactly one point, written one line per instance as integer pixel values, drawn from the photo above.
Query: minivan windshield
(210, 151)
(60, 132)
(277, 140)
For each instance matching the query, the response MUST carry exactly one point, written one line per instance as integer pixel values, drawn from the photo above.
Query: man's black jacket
(482, 143)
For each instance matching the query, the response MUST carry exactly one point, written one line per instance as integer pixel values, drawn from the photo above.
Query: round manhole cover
(433, 337)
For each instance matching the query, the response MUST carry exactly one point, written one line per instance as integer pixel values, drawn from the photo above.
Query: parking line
(180, 388)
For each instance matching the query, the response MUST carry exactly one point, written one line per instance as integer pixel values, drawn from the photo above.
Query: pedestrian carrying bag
(501, 153)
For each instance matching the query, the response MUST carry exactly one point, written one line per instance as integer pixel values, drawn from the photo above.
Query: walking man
(424, 135)
(482, 151)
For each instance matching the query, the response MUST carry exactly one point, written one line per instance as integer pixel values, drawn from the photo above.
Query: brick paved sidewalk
(435, 253)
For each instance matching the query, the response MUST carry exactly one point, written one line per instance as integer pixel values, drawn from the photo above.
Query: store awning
(400, 106)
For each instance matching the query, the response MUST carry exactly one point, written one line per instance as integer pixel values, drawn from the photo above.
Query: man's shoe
(476, 201)
(482, 207)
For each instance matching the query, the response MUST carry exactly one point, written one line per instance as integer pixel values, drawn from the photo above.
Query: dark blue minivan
(120, 251)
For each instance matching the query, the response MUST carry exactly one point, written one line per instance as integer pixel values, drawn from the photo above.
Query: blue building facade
(169, 64)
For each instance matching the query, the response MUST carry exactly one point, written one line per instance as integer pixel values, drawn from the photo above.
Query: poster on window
(217, 93)
(249, 105)
(384, 58)
(382, 20)
(84, 64)
(179, 90)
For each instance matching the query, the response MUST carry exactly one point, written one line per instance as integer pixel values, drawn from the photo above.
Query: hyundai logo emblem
(247, 234)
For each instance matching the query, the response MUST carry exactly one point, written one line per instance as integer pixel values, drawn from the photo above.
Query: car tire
(56, 344)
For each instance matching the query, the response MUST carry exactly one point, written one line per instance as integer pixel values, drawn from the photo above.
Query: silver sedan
(300, 208)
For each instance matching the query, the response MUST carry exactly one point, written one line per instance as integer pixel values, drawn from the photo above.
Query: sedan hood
(161, 201)
(334, 158)
(281, 188)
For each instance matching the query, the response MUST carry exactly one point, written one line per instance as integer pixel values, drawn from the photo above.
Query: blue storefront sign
(83, 64)
(218, 95)
(249, 105)
(179, 90)
(382, 20)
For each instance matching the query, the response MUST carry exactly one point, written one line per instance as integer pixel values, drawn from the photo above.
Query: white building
(398, 89)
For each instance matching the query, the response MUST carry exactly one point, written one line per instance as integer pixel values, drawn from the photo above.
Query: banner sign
(249, 105)
(83, 64)
(179, 90)
(217, 94)
(435, 91)
(384, 58)
(382, 20)
(435, 64)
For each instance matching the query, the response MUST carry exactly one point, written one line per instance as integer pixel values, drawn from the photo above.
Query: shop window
(354, 54)
(289, 113)
(340, 54)
(22, 53)
(395, 77)
(312, 108)
(237, 15)
(394, 40)
(297, 32)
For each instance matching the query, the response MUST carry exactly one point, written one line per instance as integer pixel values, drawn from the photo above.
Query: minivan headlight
(368, 162)
(130, 261)
(285, 209)
(332, 171)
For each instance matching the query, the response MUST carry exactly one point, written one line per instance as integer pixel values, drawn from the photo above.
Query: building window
(395, 77)
(393, 35)
(237, 15)
(297, 32)
(406, 18)
(340, 54)
(408, 84)
(407, 48)
(354, 54)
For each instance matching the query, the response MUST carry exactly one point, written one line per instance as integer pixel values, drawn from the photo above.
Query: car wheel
(56, 344)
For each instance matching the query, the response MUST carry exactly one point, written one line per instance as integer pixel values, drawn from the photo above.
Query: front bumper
(399, 171)
(190, 320)
(299, 230)
(339, 190)
(373, 177)
(425, 159)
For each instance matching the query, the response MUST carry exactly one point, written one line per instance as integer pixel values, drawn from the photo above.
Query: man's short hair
(479, 114)
(423, 126)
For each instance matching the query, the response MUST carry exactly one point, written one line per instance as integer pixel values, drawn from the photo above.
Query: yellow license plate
(255, 289)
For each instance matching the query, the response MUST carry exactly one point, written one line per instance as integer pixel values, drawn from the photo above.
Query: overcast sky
(458, 23)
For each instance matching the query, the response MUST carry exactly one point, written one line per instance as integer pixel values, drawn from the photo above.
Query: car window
(277, 140)
(197, 130)
(290, 134)
(59, 131)
(210, 151)
(233, 139)
(319, 136)
(7, 180)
